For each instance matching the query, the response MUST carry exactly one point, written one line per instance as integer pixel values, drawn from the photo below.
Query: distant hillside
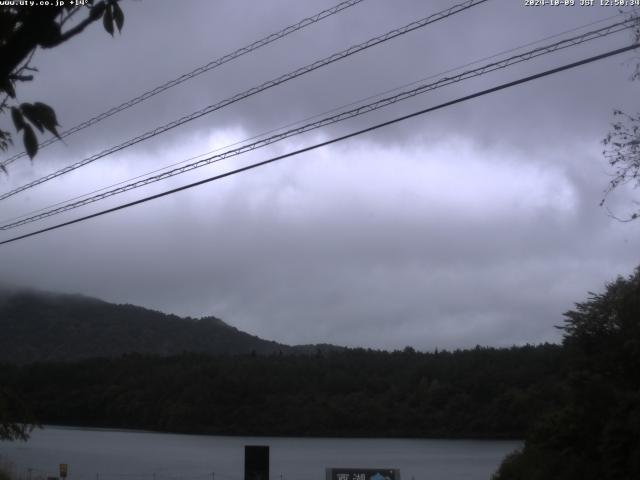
(37, 326)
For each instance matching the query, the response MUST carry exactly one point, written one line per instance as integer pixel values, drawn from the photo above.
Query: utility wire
(326, 112)
(350, 114)
(333, 140)
(194, 73)
(252, 91)
(384, 102)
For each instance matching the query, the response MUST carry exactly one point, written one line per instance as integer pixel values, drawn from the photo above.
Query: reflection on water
(130, 455)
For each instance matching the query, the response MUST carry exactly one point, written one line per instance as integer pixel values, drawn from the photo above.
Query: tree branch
(93, 16)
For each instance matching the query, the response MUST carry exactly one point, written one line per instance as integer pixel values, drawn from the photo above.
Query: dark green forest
(483, 392)
(577, 405)
(594, 433)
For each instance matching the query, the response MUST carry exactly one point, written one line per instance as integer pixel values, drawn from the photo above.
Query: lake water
(130, 455)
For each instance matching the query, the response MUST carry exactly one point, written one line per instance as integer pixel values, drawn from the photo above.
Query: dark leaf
(4, 168)
(30, 141)
(16, 116)
(107, 20)
(7, 86)
(96, 11)
(32, 115)
(47, 117)
(49, 33)
(5, 139)
(118, 16)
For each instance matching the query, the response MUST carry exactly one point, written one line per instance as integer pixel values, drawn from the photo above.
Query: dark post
(256, 462)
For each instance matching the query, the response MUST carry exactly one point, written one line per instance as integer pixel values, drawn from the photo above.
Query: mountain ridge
(37, 326)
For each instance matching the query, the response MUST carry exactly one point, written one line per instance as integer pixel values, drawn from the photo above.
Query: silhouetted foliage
(595, 434)
(623, 154)
(622, 146)
(23, 28)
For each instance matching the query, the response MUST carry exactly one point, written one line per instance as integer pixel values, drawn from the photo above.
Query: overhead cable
(194, 73)
(317, 115)
(252, 91)
(384, 102)
(329, 142)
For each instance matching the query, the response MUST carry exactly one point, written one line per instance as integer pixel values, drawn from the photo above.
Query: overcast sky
(475, 224)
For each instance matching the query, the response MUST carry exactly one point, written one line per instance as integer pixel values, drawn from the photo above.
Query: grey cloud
(477, 224)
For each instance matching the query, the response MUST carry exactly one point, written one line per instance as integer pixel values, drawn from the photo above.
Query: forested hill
(37, 326)
(484, 392)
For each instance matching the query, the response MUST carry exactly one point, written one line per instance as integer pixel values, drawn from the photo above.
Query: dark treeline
(482, 392)
(577, 404)
(594, 434)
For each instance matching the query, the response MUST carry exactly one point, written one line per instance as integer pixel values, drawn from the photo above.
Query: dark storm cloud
(476, 224)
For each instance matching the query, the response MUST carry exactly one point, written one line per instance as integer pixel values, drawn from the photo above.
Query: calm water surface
(130, 455)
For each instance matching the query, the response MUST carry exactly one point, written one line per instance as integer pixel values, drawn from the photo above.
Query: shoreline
(304, 437)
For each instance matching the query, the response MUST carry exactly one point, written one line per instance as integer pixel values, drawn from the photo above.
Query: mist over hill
(40, 326)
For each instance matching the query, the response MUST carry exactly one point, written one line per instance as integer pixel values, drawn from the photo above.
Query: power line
(334, 140)
(297, 122)
(384, 102)
(334, 119)
(252, 91)
(198, 71)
